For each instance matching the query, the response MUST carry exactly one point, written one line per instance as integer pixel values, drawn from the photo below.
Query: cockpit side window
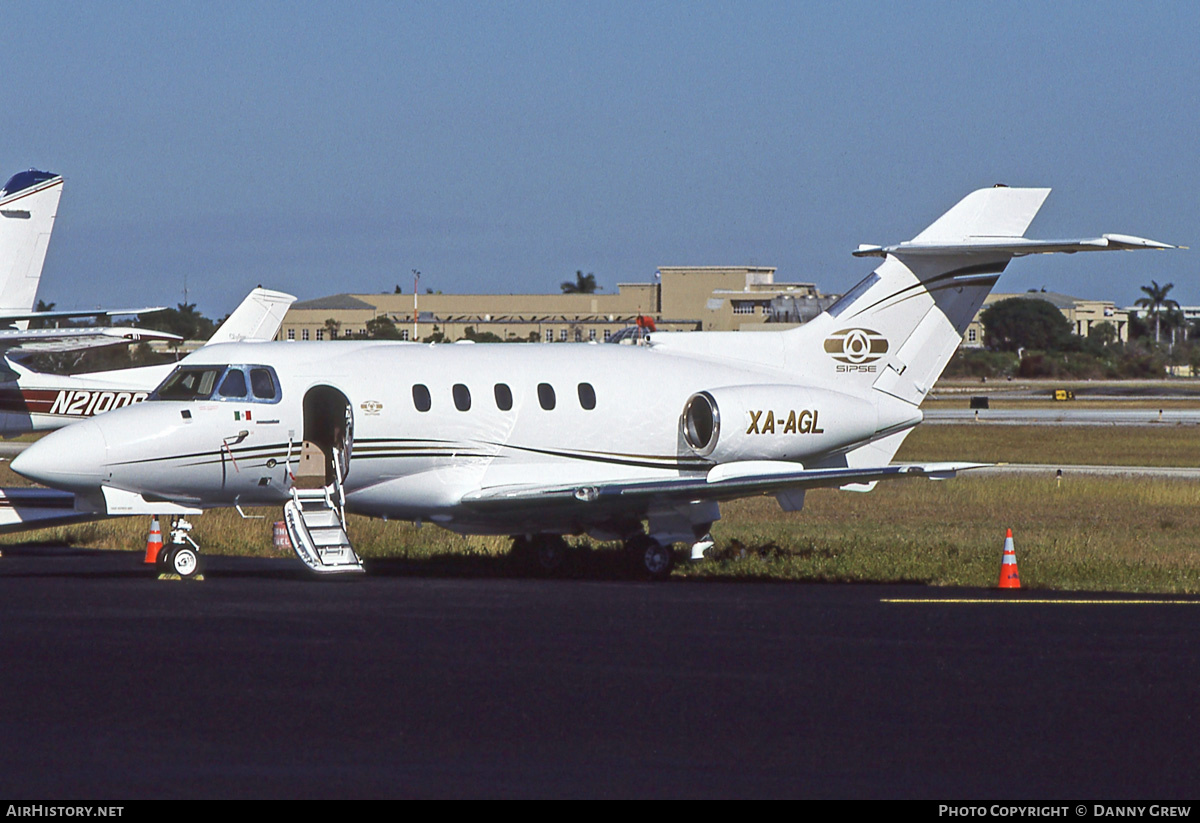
(234, 384)
(262, 384)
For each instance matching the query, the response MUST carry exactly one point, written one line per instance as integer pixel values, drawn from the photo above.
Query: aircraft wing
(9, 317)
(73, 338)
(724, 482)
(25, 508)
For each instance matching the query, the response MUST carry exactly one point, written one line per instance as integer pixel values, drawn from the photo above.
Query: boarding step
(318, 534)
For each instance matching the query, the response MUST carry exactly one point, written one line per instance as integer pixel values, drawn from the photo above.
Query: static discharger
(154, 542)
(1009, 577)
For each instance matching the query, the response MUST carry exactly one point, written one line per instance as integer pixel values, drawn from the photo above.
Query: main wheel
(540, 553)
(551, 553)
(650, 558)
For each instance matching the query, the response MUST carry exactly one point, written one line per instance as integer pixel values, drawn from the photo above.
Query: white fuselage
(410, 463)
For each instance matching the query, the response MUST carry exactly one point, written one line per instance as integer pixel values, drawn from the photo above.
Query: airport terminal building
(680, 298)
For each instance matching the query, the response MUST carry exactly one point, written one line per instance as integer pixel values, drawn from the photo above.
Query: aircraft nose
(70, 458)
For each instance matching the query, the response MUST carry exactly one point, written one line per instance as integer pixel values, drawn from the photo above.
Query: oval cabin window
(587, 396)
(503, 397)
(462, 397)
(421, 398)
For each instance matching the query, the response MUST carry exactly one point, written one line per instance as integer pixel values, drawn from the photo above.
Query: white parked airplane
(540, 441)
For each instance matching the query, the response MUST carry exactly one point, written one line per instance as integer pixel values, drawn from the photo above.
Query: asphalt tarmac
(259, 682)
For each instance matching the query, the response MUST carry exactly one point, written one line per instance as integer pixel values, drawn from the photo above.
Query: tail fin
(896, 330)
(257, 318)
(986, 213)
(28, 206)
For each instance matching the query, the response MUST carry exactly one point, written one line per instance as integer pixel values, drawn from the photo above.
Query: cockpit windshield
(245, 384)
(189, 384)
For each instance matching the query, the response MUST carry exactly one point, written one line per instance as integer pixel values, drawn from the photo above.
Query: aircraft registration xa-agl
(539, 441)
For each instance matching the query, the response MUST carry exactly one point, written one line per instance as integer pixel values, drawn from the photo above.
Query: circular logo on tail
(856, 346)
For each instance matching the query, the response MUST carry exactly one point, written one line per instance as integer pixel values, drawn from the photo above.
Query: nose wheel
(182, 556)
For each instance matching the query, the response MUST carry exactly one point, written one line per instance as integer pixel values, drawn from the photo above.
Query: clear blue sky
(320, 148)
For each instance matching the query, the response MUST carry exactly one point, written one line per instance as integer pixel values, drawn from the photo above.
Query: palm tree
(1175, 322)
(1155, 301)
(584, 284)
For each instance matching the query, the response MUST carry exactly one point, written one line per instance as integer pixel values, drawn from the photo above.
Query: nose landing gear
(182, 557)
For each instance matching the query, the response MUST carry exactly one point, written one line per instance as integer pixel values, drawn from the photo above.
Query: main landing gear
(182, 556)
(650, 558)
(540, 553)
(548, 554)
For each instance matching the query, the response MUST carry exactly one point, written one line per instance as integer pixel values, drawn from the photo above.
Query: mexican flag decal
(237, 415)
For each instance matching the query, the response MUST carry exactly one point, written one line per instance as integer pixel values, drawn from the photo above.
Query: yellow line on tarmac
(1043, 601)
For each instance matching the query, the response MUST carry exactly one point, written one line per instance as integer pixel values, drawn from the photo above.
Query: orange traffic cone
(153, 542)
(1009, 577)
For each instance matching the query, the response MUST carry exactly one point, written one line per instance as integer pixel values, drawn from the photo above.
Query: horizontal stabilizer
(1014, 246)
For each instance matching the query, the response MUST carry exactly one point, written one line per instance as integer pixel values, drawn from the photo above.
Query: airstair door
(316, 514)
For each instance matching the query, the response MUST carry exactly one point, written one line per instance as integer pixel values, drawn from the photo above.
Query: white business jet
(540, 441)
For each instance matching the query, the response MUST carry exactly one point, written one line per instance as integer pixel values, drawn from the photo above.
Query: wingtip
(1131, 242)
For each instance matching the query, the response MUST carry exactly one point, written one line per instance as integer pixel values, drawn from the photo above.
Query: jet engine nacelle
(765, 422)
